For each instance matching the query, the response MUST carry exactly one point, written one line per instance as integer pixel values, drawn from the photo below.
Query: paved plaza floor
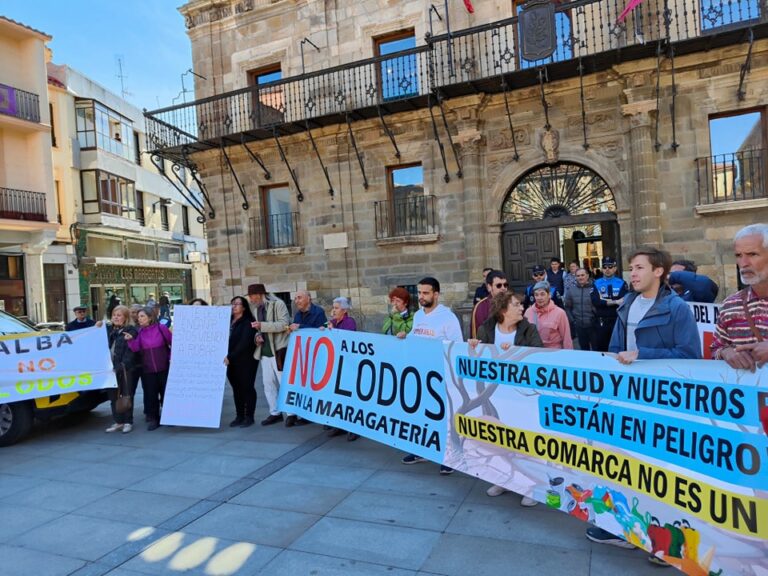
(266, 500)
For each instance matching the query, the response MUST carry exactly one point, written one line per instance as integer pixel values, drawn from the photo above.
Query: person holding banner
(506, 327)
(154, 343)
(741, 336)
(241, 365)
(433, 320)
(341, 320)
(124, 363)
(400, 321)
(551, 321)
(653, 322)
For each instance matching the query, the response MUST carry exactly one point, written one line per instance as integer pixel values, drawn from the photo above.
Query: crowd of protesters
(645, 319)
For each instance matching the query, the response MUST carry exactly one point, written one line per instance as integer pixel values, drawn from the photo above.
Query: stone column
(644, 188)
(471, 144)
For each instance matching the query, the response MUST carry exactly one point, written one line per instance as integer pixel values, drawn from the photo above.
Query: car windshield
(12, 325)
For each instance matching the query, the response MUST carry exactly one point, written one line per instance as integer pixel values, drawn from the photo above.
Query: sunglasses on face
(538, 273)
(502, 285)
(610, 266)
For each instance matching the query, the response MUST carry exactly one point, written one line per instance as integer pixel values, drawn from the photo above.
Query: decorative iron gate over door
(552, 210)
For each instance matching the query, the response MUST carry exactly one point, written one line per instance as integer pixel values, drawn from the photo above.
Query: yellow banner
(746, 515)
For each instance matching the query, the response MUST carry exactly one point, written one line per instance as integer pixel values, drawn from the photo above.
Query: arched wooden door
(564, 210)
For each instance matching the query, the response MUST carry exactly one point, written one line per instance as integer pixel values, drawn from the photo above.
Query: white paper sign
(195, 390)
(706, 320)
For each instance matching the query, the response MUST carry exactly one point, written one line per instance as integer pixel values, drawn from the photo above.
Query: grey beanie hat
(543, 285)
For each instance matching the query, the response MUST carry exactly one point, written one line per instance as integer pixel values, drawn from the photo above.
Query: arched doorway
(565, 210)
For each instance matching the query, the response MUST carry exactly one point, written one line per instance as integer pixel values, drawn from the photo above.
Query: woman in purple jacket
(154, 343)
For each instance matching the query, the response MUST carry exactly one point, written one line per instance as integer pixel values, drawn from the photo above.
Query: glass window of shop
(175, 293)
(105, 247)
(12, 294)
(140, 250)
(169, 253)
(140, 293)
(105, 298)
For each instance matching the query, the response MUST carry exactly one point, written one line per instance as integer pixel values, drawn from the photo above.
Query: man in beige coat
(272, 320)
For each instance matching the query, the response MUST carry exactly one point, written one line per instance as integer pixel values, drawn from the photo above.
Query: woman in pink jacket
(550, 320)
(154, 343)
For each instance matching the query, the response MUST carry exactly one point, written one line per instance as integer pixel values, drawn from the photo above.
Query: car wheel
(15, 422)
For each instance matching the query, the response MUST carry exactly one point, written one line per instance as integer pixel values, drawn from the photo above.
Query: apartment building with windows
(352, 147)
(27, 202)
(131, 223)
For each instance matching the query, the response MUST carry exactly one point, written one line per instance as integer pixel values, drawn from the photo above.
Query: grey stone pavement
(266, 500)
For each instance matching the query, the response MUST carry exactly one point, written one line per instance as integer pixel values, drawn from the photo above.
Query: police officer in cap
(539, 274)
(607, 296)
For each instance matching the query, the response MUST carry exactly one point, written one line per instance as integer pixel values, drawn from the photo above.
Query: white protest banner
(51, 363)
(706, 320)
(195, 389)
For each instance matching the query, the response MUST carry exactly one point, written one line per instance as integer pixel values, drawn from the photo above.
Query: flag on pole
(631, 5)
(469, 7)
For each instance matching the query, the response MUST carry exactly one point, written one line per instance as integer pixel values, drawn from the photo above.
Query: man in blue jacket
(653, 323)
(691, 286)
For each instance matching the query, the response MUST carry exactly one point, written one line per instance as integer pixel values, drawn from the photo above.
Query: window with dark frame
(407, 211)
(736, 169)
(164, 217)
(140, 208)
(185, 219)
(53, 125)
(276, 225)
(59, 200)
(268, 102)
(107, 193)
(398, 77)
(137, 147)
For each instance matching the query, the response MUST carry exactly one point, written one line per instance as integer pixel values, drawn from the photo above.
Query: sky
(90, 35)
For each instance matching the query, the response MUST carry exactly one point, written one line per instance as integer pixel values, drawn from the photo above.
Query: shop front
(102, 286)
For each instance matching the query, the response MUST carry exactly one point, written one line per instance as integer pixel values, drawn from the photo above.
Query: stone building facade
(570, 164)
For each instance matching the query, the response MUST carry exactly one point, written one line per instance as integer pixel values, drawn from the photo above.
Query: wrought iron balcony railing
(729, 177)
(467, 61)
(19, 103)
(411, 216)
(22, 205)
(276, 231)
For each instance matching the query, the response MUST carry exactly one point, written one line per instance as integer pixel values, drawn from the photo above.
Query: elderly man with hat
(81, 319)
(607, 296)
(400, 320)
(271, 326)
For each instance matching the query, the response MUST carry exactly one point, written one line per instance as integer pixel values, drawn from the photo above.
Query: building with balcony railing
(27, 200)
(129, 221)
(408, 148)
